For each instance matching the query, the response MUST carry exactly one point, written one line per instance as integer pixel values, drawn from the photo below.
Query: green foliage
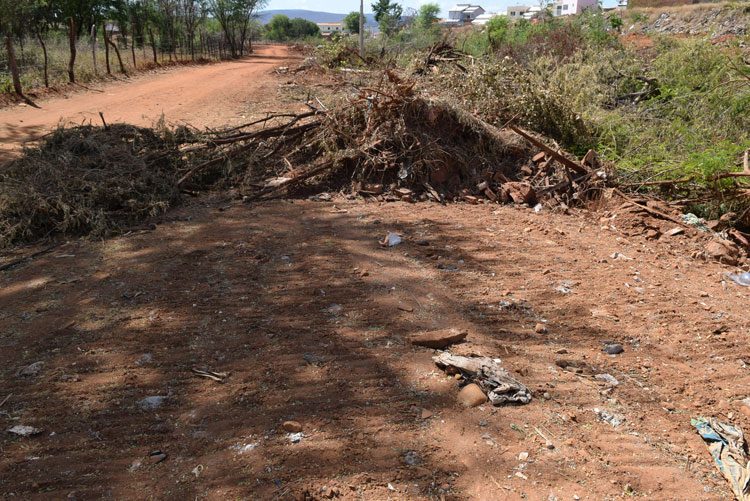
(351, 22)
(279, 28)
(428, 14)
(387, 15)
(616, 23)
(282, 28)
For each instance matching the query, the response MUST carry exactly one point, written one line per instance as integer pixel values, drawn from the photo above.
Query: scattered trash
(277, 182)
(500, 386)
(151, 402)
(741, 278)
(31, 370)
(219, 377)
(608, 417)
(25, 431)
(694, 220)
(390, 240)
(563, 289)
(538, 207)
(198, 470)
(607, 378)
(521, 475)
(612, 349)
(244, 448)
(412, 458)
(295, 438)
(144, 359)
(727, 446)
(390, 487)
(523, 456)
(335, 309)
(620, 257)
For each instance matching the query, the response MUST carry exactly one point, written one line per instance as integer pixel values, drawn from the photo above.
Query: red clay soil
(311, 317)
(209, 95)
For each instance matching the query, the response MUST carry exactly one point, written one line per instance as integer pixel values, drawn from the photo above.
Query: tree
(387, 15)
(351, 22)
(497, 31)
(12, 23)
(302, 28)
(428, 14)
(279, 28)
(235, 18)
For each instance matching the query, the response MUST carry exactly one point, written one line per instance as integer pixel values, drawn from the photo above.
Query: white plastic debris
(392, 239)
(25, 431)
(277, 182)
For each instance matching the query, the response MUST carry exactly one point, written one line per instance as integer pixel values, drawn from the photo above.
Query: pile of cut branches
(89, 181)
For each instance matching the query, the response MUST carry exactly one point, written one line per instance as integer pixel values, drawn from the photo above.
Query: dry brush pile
(387, 140)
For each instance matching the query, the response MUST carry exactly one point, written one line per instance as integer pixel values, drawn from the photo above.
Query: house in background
(483, 19)
(463, 13)
(570, 7)
(328, 29)
(517, 11)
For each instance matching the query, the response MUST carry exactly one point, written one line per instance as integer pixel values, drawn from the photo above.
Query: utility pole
(362, 29)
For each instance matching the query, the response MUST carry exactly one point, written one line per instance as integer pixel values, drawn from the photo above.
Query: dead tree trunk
(132, 46)
(46, 61)
(153, 46)
(13, 65)
(93, 47)
(117, 52)
(106, 49)
(72, 62)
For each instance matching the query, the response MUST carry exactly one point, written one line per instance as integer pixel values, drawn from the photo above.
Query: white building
(533, 11)
(517, 11)
(327, 29)
(570, 7)
(483, 19)
(463, 13)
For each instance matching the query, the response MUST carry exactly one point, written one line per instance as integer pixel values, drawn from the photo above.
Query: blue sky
(344, 6)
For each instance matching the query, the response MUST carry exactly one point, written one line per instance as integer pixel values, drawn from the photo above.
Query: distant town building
(622, 4)
(517, 11)
(463, 13)
(328, 29)
(570, 7)
(483, 19)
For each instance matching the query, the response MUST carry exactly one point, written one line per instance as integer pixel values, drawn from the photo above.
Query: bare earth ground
(211, 95)
(311, 318)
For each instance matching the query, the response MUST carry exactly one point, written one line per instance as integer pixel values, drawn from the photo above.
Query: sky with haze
(345, 6)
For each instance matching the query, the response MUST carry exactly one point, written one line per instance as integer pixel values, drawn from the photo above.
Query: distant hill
(311, 15)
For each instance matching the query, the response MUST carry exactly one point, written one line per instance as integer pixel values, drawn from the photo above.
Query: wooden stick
(652, 211)
(574, 166)
(18, 261)
(295, 180)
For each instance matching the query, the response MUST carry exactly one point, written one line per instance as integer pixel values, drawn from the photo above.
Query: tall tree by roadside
(235, 18)
(387, 15)
(11, 24)
(351, 22)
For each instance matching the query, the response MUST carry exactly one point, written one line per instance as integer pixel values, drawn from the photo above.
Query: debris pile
(486, 373)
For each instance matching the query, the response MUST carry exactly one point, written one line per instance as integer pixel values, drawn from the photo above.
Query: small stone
(613, 349)
(483, 423)
(292, 426)
(412, 458)
(723, 251)
(152, 402)
(423, 243)
(523, 456)
(652, 234)
(364, 273)
(540, 329)
(439, 339)
(426, 414)
(471, 395)
(521, 475)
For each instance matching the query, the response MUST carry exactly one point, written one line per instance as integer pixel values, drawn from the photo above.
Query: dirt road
(311, 318)
(211, 95)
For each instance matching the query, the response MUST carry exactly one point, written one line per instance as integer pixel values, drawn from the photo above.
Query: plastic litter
(727, 446)
(25, 431)
(694, 220)
(741, 278)
(391, 239)
(607, 378)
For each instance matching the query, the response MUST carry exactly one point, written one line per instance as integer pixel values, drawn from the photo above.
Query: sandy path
(211, 95)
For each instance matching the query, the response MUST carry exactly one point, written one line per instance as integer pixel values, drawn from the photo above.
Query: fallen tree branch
(292, 181)
(574, 166)
(651, 211)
